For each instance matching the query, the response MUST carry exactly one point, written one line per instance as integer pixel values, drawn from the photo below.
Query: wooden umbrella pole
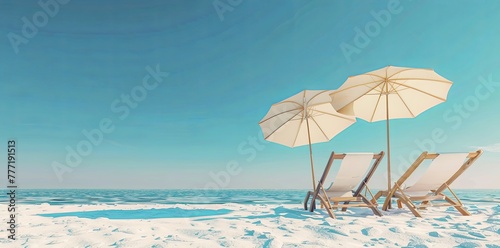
(388, 142)
(310, 154)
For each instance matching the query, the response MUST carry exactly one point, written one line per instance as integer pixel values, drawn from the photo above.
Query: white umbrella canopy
(391, 93)
(304, 119)
(406, 92)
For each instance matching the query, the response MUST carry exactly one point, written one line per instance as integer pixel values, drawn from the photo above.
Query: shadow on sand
(141, 213)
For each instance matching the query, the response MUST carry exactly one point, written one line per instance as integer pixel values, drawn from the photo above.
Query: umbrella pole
(311, 155)
(388, 143)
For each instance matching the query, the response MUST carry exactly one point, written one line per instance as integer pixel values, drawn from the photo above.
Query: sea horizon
(195, 196)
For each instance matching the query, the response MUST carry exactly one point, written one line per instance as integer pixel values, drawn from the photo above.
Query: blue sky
(198, 128)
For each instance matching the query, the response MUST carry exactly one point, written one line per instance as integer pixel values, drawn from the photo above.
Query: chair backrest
(442, 171)
(350, 175)
(352, 169)
(439, 171)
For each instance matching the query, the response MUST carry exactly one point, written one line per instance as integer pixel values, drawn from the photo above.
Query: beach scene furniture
(442, 172)
(304, 119)
(349, 185)
(390, 93)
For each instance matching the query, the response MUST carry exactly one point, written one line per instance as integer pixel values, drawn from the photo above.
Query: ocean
(189, 196)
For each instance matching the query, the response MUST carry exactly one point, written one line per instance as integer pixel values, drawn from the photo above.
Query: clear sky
(74, 66)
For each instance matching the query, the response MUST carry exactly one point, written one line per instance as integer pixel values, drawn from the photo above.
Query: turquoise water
(474, 199)
(142, 213)
(81, 196)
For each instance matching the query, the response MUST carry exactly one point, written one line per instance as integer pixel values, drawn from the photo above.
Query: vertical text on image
(11, 187)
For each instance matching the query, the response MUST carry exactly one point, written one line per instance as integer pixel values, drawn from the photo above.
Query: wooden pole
(388, 140)
(310, 153)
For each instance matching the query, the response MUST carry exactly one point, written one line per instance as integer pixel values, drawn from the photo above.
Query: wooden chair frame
(437, 194)
(357, 194)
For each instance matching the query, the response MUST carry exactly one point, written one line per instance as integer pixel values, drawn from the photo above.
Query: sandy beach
(240, 225)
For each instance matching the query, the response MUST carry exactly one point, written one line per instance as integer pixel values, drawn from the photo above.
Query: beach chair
(441, 173)
(354, 173)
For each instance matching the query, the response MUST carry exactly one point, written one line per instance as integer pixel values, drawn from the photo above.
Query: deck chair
(353, 176)
(441, 173)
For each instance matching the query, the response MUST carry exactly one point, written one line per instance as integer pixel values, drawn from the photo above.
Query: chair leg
(371, 206)
(399, 204)
(327, 208)
(424, 203)
(307, 199)
(375, 198)
(409, 204)
(388, 199)
(459, 207)
(336, 203)
(344, 208)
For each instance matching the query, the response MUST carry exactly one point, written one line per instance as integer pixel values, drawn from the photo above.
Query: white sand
(255, 226)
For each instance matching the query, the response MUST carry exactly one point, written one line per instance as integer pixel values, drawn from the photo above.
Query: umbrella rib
(362, 94)
(402, 100)
(288, 102)
(304, 109)
(282, 102)
(281, 126)
(310, 99)
(298, 130)
(376, 105)
(348, 88)
(357, 85)
(339, 116)
(324, 134)
(280, 113)
(419, 90)
(403, 70)
(410, 69)
(369, 74)
(424, 79)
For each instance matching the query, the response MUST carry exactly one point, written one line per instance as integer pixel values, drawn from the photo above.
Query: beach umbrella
(390, 93)
(304, 119)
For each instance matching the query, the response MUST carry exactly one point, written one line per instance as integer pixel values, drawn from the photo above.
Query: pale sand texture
(255, 226)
